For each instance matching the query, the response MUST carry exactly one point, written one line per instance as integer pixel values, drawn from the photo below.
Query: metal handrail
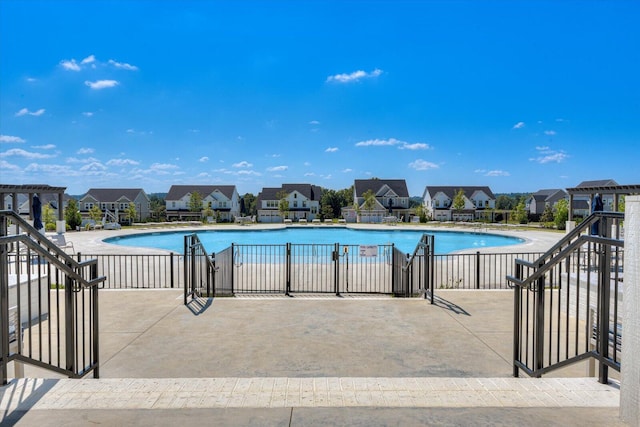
(69, 265)
(560, 250)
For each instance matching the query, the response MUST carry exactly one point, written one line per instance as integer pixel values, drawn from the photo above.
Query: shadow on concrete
(199, 305)
(448, 305)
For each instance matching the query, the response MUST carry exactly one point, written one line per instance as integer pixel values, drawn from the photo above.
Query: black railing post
(336, 268)
(69, 323)
(477, 269)
(288, 270)
(231, 269)
(95, 323)
(4, 299)
(171, 272)
(185, 265)
(604, 284)
(539, 325)
(516, 320)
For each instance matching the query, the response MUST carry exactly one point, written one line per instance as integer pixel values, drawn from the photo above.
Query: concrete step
(321, 392)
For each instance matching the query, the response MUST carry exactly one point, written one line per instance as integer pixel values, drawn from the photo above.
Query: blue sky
(516, 95)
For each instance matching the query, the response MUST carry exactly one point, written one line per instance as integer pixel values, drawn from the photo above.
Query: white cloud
(25, 111)
(93, 167)
(497, 173)
(309, 174)
(402, 145)
(518, 125)
(9, 138)
(353, 77)
(76, 160)
(44, 147)
(203, 159)
(422, 165)
(18, 152)
(87, 114)
(122, 162)
(70, 65)
(101, 84)
(123, 65)
(85, 150)
(88, 60)
(415, 146)
(550, 132)
(8, 166)
(314, 122)
(549, 156)
(277, 168)
(242, 164)
(331, 150)
(347, 170)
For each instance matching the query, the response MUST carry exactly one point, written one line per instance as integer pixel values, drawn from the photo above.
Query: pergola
(615, 190)
(31, 190)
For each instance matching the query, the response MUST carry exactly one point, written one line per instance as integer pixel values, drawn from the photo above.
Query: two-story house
(114, 203)
(439, 203)
(303, 201)
(538, 201)
(391, 200)
(223, 202)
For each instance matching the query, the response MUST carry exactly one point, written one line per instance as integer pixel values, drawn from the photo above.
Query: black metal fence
(138, 271)
(566, 301)
(48, 304)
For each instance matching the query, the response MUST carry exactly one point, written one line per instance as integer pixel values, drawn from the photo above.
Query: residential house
(223, 200)
(391, 200)
(538, 201)
(303, 201)
(114, 202)
(582, 203)
(438, 203)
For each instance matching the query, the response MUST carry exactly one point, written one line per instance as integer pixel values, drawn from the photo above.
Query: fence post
(516, 320)
(288, 270)
(4, 298)
(69, 326)
(477, 269)
(171, 268)
(96, 324)
(604, 284)
(336, 268)
(539, 325)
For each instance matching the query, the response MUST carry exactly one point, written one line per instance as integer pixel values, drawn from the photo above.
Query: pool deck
(307, 360)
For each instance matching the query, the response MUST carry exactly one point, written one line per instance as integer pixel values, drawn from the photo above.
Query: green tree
(421, 212)
(458, 201)
(561, 214)
(283, 204)
(369, 201)
(521, 215)
(504, 202)
(48, 217)
(130, 213)
(157, 207)
(95, 213)
(208, 212)
(250, 204)
(547, 215)
(72, 214)
(195, 202)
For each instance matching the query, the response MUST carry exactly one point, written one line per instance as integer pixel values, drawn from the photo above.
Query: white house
(114, 202)
(438, 203)
(303, 201)
(391, 199)
(223, 200)
(538, 201)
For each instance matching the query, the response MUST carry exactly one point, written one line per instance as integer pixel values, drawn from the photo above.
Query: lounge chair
(62, 242)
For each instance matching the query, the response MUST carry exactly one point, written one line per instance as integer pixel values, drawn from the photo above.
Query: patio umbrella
(37, 212)
(596, 206)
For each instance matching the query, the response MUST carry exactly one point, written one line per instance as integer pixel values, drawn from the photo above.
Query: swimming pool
(405, 240)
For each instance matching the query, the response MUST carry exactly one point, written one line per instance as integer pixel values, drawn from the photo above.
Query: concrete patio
(308, 360)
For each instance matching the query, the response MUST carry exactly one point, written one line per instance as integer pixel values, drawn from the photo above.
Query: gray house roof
(177, 192)
(598, 183)
(398, 186)
(551, 195)
(113, 194)
(311, 192)
(450, 191)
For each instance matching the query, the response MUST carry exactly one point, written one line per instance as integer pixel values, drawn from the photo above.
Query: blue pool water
(405, 240)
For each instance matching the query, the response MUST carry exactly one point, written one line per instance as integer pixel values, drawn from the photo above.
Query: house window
(88, 206)
(437, 203)
(173, 204)
(295, 203)
(123, 206)
(304, 203)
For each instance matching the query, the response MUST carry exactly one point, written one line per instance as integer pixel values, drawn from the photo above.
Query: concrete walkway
(314, 360)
